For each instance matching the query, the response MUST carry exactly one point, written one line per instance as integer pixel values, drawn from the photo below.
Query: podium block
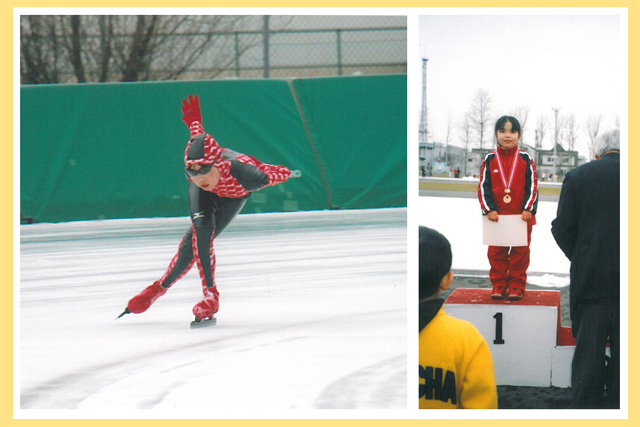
(522, 335)
(561, 366)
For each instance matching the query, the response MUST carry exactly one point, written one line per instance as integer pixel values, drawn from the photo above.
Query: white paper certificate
(510, 230)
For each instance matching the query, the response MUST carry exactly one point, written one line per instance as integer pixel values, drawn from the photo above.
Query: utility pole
(555, 143)
(537, 146)
(423, 113)
(446, 153)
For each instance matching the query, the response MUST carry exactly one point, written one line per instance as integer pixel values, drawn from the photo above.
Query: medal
(507, 187)
(507, 197)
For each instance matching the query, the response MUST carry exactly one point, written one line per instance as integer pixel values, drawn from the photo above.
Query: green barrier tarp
(116, 150)
(359, 131)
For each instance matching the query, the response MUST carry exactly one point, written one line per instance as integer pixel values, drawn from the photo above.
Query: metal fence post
(339, 48)
(265, 45)
(236, 43)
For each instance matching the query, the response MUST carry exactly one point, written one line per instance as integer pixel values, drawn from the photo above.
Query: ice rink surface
(312, 315)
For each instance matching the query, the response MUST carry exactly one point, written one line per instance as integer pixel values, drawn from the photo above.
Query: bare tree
(480, 113)
(449, 128)
(570, 129)
(138, 53)
(465, 130)
(56, 49)
(76, 49)
(592, 127)
(448, 137)
(541, 131)
(41, 50)
(101, 56)
(522, 114)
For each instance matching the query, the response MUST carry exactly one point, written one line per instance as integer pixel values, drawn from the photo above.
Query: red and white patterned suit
(210, 211)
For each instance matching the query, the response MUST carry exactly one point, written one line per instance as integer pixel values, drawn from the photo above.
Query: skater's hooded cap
(202, 150)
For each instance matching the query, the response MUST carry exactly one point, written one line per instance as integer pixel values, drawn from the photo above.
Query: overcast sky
(543, 61)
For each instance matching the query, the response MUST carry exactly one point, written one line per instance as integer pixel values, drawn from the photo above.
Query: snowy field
(459, 219)
(313, 315)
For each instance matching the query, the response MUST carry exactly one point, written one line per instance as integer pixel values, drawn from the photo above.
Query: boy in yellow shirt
(456, 368)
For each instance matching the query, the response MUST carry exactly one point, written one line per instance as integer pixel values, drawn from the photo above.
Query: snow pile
(460, 221)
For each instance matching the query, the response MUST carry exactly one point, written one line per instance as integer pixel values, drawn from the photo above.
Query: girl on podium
(508, 186)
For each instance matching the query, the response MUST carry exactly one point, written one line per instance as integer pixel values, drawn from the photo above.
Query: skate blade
(202, 323)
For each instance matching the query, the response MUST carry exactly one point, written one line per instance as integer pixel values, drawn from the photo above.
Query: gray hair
(606, 141)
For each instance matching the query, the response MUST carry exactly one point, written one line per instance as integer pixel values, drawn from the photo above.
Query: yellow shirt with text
(456, 368)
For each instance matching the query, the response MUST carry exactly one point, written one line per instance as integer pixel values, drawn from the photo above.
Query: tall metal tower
(423, 113)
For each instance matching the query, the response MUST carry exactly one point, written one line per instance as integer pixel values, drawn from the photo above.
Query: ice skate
(200, 323)
(206, 309)
(141, 302)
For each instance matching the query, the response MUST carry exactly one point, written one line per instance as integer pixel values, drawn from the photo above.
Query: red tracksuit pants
(509, 264)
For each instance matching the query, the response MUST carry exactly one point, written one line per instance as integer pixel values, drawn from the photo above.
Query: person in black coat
(587, 229)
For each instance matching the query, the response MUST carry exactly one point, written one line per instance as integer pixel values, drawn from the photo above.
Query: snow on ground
(313, 315)
(459, 219)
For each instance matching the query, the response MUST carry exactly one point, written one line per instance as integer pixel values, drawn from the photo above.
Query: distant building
(566, 161)
(433, 155)
(477, 155)
(474, 160)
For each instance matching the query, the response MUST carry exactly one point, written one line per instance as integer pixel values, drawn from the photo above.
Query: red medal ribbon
(513, 169)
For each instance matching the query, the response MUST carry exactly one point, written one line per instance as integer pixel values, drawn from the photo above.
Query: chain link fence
(308, 53)
(214, 47)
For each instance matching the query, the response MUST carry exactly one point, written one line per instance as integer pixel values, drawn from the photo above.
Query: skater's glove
(191, 110)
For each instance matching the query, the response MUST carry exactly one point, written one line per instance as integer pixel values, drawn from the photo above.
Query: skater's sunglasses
(204, 169)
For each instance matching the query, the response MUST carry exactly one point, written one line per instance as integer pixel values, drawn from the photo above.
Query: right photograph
(523, 120)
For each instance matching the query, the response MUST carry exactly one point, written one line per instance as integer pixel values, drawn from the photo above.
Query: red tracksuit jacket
(524, 186)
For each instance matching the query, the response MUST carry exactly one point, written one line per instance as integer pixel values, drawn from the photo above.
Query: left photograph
(267, 151)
